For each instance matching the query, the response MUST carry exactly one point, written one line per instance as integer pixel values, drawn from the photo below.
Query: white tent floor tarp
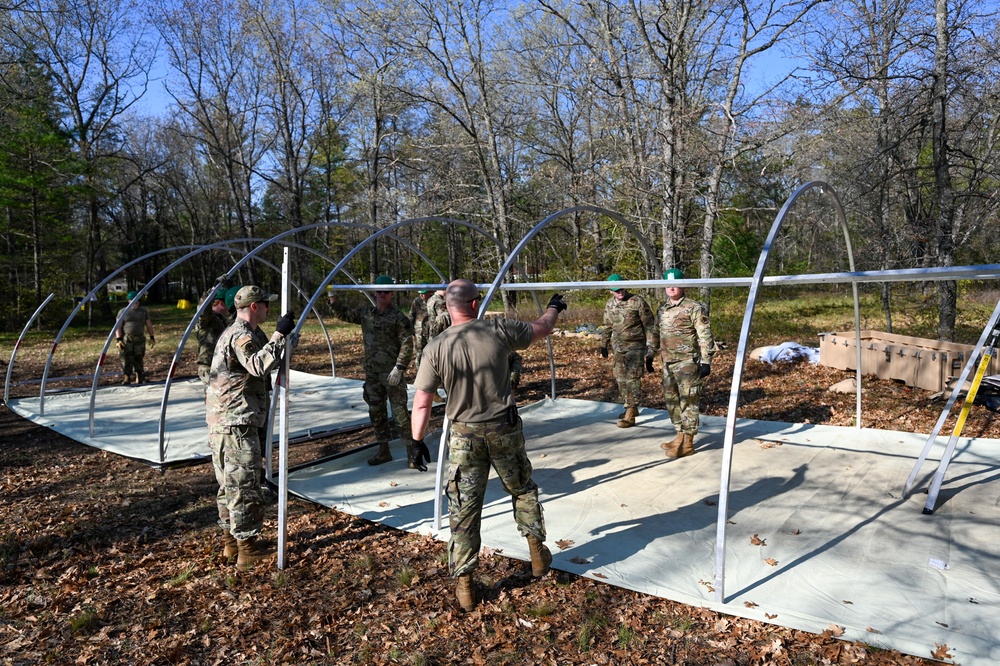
(126, 418)
(817, 536)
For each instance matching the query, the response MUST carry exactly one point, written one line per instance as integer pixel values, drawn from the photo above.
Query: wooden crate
(918, 362)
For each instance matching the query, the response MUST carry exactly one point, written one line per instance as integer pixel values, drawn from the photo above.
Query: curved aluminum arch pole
(20, 338)
(79, 306)
(734, 394)
(118, 320)
(204, 305)
(511, 260)
(386, 231)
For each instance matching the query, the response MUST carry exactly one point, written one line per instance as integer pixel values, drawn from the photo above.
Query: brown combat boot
(673, 447)
(627, 419)
(465, 590)
(230, 549)
(126, 380)
(541, 557)
(687, 446)
(383, 455)
(250, 552)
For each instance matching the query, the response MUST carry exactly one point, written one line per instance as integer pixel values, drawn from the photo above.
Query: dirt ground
(107, 561)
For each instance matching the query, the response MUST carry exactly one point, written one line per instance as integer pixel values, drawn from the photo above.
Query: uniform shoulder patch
(244, 341)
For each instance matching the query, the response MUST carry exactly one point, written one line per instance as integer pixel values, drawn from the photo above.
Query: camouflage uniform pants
(376, 393)
(473, 448)
(628, 372)
(682, 393)
(237, 462)
(419, 342)
(132, 354)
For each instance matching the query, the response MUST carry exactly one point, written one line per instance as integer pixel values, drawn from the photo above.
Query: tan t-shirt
(471, 362)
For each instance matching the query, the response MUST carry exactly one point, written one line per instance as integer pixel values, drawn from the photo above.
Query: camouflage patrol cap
(384, 279)
(673, 274)
(252, 294)
(231, 295)
(132, 294)
(614, 277)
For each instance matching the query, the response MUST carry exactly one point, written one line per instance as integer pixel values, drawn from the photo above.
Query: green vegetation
(183, 577)
(83, 622)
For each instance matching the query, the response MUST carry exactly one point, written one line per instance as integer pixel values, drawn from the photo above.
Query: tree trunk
(948, 291)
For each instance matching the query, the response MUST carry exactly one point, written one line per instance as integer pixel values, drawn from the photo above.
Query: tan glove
(395, 376)
(152, 342)
(120, 344)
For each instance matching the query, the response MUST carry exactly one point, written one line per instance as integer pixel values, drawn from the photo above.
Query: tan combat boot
(383, 455)
(541, 557)
(627, 419)
(126, 380)
(687, 446)
(466, 592)
(249, 552)
(230, 549)
(673, 447)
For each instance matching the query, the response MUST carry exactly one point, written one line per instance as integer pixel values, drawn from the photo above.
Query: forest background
(130, 127)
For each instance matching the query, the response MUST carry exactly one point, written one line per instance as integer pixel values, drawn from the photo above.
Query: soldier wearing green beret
(388, 340)
(630, 333)
(686, 347)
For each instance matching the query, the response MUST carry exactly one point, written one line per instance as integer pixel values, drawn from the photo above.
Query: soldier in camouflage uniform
(237, 406)
(471, 359)
(418, 319)
(210, 326)
(686, 347)
(437, 315)
(130, 338)
(388, 340)
(630, 331)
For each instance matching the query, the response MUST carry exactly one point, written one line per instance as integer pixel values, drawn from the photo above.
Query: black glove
(649, 364)
(703, 370)
(285, 323)
(556, 302)
(604, 352)
(419, 455)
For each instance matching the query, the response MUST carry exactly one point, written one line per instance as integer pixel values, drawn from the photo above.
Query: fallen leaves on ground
(104, 560)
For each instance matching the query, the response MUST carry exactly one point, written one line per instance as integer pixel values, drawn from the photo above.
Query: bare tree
(217, 84)
(750, 31)
(98, 57)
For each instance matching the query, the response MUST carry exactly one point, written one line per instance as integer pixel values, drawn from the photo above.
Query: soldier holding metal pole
(471, 359)
(237, 407)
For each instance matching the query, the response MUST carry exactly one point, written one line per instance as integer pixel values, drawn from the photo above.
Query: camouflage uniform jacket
(387, 336)
(134, 323)
(684, 332)
(241, 368)
(628, 324)
(438, 318)
(208, 329)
